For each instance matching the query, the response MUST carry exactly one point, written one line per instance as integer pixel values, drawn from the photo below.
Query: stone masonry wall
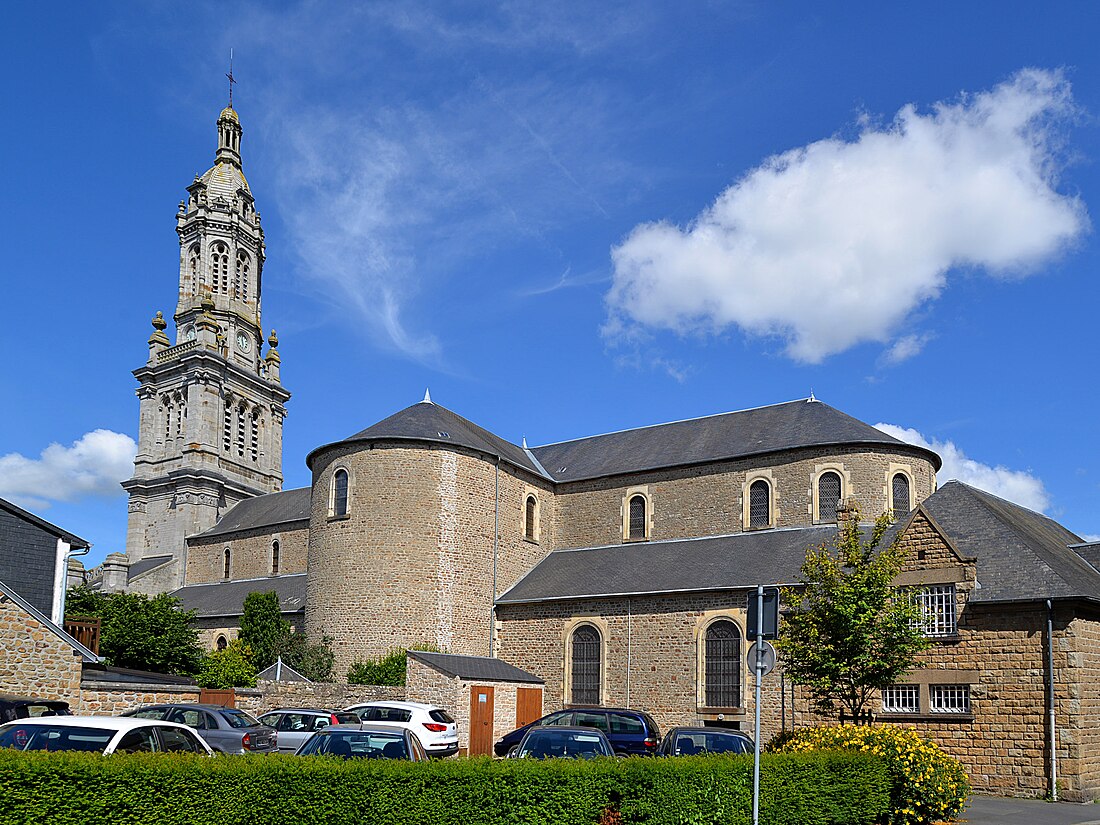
(1078, 721)
(33, 659)
(250, 554)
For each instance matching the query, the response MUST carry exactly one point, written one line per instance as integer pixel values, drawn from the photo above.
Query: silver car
(226, 730)
(295, 725)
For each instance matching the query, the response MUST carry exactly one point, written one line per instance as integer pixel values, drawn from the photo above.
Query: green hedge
(143, 789)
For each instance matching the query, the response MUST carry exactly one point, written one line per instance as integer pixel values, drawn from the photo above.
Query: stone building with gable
(615, 568)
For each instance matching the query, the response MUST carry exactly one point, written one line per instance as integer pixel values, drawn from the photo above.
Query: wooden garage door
(481, 720)
(528, 705)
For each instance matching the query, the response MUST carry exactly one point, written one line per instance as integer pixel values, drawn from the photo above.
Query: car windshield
(700, 742)
(544, 744)
(357, 744)
(238, 718)
(54, 738)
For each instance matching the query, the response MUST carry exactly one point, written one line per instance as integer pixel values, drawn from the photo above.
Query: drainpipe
(628, 649)
(1053, 742)
(496, 541)
(61, 579)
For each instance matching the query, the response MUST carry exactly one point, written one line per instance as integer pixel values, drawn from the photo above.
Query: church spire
(229, 137)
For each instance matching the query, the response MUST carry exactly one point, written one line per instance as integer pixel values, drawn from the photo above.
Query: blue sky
(566, 221)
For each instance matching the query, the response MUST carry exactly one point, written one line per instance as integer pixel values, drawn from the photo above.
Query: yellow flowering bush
(928, 784)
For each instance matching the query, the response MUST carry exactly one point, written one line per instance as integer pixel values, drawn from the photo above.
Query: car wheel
(512, 751)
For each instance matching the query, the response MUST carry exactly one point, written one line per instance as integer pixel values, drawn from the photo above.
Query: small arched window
(275, 558)
(530, 520)
(899, 494)
(760, 504)
(225, 565)
(722, 665)
(340, 492)
(585, 687)
(828, 496)
(222, 642)
(637, 525)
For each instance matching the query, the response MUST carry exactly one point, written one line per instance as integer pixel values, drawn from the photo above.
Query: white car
(101, 734)
(432, 725)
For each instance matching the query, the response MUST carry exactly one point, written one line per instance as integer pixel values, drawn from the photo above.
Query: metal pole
(1050, 702)
(759, 668)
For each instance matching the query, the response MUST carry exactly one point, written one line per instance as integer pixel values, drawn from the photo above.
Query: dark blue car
(630, 732)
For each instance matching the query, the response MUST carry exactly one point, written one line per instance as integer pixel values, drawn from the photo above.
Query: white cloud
(1018, 486)
(836, 243)
(93, 465)
(905, 348)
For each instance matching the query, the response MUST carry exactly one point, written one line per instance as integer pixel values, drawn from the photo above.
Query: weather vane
(232, 79)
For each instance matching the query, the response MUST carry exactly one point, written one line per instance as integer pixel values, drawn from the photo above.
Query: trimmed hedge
(151, 789)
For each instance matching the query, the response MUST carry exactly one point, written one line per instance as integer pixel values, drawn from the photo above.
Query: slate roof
(280, 672)
(1089, 551)
(724, 562)
(803, 423)
(227, 598)
(474, 668)
(71, 539)
(145, 565)
(268, 510)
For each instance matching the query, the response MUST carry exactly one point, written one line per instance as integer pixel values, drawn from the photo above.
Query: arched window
(240, 430)
(225, 566)
(530, 521)
(240, 277)
(227, 426)
(722, 665)
(219, 268)
(586, 666)
(222, 642)
(828, 495)
(275, 558)
(193, 269)
(340, 492)
(255, 436)
(899, 494)
(636, 529)
(760, 504)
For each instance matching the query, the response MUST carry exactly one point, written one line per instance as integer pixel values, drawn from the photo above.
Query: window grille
(340, 493)
(637, 517)
(949, 698)
(586, 666)
(722, 665)
(275, 558)
(901, 699)
(899, 494)
(828, 496)
(760, 505)
(529, 522)
(937, 609)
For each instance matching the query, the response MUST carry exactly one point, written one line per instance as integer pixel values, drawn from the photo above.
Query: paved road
(995, 810)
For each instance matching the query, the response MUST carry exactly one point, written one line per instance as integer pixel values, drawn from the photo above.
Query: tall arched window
(275, 558)
(722, 665)
(219, 268)
(225, 566)
(254, 446)
(227, 426)
(828, 495)
(530, 520)
(636, 529)
(899, 494)
(340, 492)
(240, 430)
(240, 277)
(760, 504)
(193, 269)
(585, 688)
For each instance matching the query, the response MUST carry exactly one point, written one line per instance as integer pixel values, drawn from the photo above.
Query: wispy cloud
(567, 280)
(836, 243)
(905, 348)
(1019, 486)
(92, 466)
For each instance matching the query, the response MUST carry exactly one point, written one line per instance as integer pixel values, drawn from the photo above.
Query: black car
(630, 732)
(25, 707)
(696, 741)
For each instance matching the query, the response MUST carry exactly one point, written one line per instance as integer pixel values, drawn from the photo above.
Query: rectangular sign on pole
(769, 620)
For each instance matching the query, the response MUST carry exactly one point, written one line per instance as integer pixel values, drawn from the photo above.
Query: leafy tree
(389, 669)
(850, 632)
(228, 668)
(140, 632)
(268, 635)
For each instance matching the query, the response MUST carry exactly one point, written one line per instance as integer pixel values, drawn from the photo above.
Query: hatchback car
(555, 741)
(295, 725)
(694, 741)
(433, 726)
(226, 730)
(630, 732)
(365, 741)
(21, 707)
(100, 734)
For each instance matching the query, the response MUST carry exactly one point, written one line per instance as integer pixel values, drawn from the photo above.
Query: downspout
(628, 649)
(496, 542)
(1053, 740)
(61, 578)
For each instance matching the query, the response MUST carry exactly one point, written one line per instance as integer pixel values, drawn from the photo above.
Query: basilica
(615, 568)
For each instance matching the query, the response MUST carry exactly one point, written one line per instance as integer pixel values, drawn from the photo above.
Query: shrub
(228, 668)
(928, 785)
(385, 670)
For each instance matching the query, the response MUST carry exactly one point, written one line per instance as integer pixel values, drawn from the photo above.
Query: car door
(138, 740)
(294, 729)
(178, 740)
(627, 734)
(205, 724)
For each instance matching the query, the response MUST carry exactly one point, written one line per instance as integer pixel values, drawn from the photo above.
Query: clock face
(244, 344)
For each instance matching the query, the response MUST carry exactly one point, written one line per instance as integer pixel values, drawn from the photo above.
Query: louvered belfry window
(637, 517)
(828, 494)
(723, 665)
(760, 504)
(899, 499)
(586, 666)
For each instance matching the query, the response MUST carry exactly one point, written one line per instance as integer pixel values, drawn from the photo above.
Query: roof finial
(525, 442)
(232, 80)
(811, 398)
(427, 397)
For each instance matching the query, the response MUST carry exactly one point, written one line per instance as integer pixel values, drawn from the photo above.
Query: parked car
(100, 734)
(295, 725)
(557, 741)
(365, 741)
(22, 707)
(226, 730)
(631, 732)
(433, 726)
(693, 741)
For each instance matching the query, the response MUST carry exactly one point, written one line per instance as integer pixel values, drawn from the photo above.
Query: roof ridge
(239, 581)
(735, 534)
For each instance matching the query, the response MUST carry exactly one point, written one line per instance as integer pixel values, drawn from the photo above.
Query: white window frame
(939, 610)
(901, 698)
(949, 698)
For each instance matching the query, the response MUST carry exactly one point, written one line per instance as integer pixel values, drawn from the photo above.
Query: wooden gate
(481, 720)
(225, 698)
(528, 705)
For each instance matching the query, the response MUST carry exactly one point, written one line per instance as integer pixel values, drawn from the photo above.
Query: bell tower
(211, 409)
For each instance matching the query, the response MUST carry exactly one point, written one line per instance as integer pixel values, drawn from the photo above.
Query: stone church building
(616, 567)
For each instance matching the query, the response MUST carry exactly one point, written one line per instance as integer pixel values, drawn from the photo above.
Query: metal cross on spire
(232, 79)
